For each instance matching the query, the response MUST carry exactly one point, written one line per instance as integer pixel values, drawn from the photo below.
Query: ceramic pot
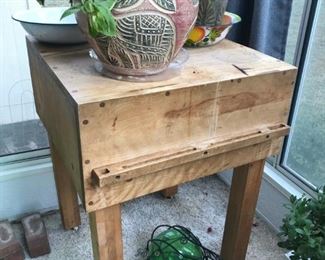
(211, 12)
(202, 36)
(150, 35)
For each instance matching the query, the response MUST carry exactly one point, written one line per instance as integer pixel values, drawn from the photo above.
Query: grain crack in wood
(242, 70)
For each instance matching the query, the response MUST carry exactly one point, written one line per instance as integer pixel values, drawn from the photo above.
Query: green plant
(303, 229)
(100, 18)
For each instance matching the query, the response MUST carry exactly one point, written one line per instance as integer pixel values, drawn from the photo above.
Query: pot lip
(19, 16)
(235, 18)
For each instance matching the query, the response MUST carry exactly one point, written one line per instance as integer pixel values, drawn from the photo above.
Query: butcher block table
(114, 141)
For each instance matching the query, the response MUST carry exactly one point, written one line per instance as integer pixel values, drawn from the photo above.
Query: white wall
(16, 96)
(27, 188)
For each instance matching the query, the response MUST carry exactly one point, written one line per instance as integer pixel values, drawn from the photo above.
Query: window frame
(301, 58)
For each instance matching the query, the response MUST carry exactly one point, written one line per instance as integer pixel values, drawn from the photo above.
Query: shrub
(303, 229)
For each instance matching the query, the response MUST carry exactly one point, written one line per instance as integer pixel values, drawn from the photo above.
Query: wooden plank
(241, 208)
(205, 66)
(126, 170)
(57, 110)
(106, 233)
(67, 194)
(123, 129)
(137, 187)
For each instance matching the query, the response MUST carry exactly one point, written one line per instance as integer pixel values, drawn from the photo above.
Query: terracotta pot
(211, 12)
(150, 35)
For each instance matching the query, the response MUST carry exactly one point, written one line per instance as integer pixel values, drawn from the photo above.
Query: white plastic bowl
(45, 25)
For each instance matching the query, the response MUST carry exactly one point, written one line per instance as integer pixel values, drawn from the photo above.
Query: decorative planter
(202, 36)
(211, 12)
(150, 35)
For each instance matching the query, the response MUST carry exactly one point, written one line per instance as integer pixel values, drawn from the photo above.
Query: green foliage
(303, 229)
(100, 18)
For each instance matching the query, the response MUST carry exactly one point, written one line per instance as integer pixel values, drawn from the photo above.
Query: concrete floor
(199, 205)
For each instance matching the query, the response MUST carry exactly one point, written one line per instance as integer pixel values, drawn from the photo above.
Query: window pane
(20, 128)
(294, 28)
(306, 147)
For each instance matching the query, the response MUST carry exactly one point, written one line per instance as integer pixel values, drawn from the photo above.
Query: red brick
(10, 248)
(36, 235)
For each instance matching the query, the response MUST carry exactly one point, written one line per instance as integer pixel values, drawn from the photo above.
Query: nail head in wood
(106, 171)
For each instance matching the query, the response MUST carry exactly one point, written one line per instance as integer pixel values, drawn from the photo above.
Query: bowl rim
(16, 17)
(235, 18)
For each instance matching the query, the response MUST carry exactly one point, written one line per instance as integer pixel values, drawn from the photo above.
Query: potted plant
(211, 12)
(212, 25)
(303, 229)
(135, 37)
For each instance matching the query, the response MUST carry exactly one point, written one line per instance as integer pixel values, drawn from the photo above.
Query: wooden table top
(222, 62)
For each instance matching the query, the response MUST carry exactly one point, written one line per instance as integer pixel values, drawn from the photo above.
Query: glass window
(20, 128)
(296, 20)
(305, 152)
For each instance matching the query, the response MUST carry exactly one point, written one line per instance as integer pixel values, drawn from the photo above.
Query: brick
(36, 235)
(10, 248)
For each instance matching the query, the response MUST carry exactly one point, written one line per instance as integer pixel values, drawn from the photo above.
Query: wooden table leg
(106, 233)
(245, 187)
(67, 195)
(169, 192)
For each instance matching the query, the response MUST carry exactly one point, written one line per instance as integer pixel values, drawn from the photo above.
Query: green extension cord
(177, 243)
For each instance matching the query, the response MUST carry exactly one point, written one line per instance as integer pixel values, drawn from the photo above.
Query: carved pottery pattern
(144, 41)
(168, 5)
(150, 33)
(126, 3)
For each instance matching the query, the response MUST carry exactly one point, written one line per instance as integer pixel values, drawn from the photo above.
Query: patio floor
(198, 205)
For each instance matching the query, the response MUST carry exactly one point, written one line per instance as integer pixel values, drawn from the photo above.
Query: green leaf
(112, 26)
(107, 21)
(94, 25)
(100, 18)
(300, 231)
(89, 6)
(108, 4)
(71, 10)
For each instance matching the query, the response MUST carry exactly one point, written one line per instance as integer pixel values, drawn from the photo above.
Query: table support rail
(140, 166)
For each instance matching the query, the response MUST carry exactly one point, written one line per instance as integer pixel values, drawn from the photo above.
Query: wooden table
(113, 141)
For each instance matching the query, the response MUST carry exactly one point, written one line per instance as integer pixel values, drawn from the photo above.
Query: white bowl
(45, 25)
